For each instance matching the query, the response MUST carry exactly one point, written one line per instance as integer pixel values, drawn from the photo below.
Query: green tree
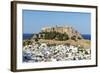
(79, 38)
(56, 35)
(59, 36)
(65, 36)
(27, 42)
(73, 38)
(36, 39)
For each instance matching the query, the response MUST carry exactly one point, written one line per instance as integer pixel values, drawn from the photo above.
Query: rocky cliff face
(70, 31)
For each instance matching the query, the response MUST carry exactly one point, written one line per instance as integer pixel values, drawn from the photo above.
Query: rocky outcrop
(63, 29)
(73, 37)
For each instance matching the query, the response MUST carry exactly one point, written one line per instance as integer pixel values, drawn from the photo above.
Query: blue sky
(33, 20)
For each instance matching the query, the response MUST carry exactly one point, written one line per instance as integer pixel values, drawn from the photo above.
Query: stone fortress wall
(63, 29)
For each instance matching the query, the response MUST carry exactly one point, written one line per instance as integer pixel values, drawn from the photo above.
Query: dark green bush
(55, 35)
